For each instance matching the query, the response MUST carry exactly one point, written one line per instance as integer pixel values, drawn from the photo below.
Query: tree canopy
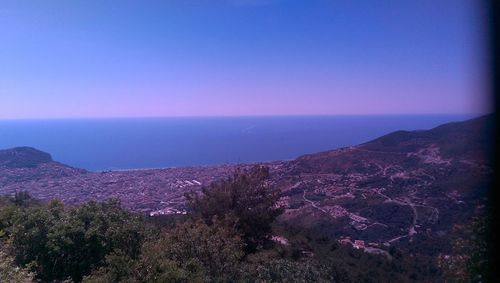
(226, 237)
(246, 199)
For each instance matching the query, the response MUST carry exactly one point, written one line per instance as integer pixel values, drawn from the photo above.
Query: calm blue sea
(104, 144)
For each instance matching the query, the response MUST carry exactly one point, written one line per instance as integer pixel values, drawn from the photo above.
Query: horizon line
(242, 116)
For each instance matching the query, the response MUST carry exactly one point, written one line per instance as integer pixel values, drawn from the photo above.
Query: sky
(121, 58)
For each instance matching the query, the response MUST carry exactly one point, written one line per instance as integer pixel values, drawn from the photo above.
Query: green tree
(194, 252)
(284, 270)
(22, 198)
(66, 243)
(246, 198)
(118, 267)
(28, 234)
(88, 233)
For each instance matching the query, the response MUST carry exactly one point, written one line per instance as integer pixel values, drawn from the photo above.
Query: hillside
(20, 157)
(404, 188)
(26, 166)
(407, 188)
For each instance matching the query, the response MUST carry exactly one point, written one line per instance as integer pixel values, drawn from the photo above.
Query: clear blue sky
(104, 58)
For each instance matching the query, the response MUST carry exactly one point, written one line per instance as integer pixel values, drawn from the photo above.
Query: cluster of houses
(357, 244)
(372, 248)
(167, 211)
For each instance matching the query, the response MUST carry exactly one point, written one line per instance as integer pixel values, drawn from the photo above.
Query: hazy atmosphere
(78, 59)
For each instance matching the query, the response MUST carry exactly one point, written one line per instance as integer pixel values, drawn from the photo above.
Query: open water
(106, 144)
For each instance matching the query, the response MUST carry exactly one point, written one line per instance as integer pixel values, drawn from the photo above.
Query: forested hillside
(230, 234)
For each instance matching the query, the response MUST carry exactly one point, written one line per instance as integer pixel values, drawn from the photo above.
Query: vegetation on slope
(227, 237)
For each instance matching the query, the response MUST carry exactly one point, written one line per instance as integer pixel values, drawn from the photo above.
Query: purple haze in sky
(102, 58)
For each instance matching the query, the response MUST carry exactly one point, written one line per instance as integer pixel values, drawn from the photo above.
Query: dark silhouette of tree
(246, 198)
(22, 198)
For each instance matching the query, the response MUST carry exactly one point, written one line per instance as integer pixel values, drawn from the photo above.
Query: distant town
(372, 196)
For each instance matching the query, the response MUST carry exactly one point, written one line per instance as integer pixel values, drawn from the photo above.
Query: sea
(140, 143)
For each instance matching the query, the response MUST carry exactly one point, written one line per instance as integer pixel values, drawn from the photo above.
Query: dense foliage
(226, 237)
(470, 261)
(63, 242)
(245, 200)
